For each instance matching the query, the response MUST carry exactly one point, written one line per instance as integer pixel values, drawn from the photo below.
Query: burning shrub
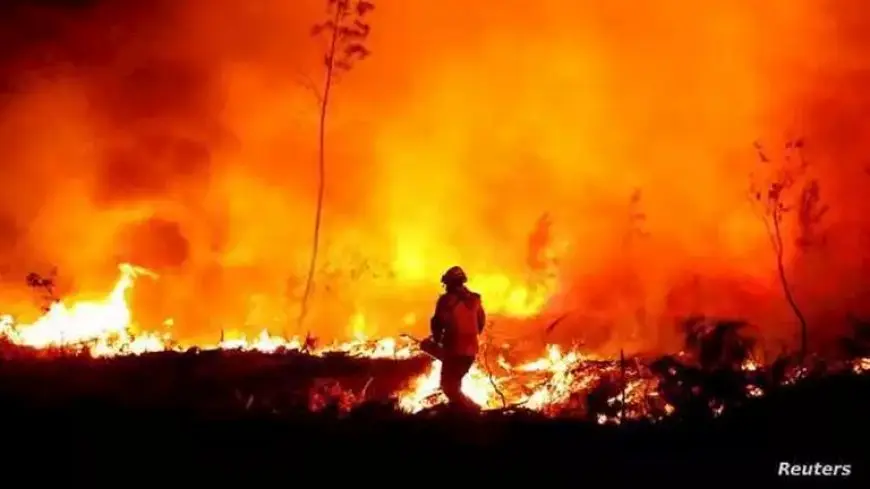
(327, 395)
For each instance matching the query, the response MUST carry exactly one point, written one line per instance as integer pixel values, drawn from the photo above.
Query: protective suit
(458, 320)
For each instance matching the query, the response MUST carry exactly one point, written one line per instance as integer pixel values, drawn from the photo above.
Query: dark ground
(163, 420)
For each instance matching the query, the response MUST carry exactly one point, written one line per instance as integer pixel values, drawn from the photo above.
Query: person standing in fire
(458, 320)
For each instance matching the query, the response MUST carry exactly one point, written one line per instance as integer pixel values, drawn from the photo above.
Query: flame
(862, 365)
(543, 384)
(105, 328)
(105, 325)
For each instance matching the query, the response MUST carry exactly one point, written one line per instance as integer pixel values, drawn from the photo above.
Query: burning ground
(92, 348)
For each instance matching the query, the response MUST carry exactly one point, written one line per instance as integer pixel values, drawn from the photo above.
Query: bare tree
(774, 206)
(345, 31)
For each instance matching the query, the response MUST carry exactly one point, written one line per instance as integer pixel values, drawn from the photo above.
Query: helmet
(454, 276)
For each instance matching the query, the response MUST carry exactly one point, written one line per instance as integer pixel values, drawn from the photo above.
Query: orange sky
(182, 137)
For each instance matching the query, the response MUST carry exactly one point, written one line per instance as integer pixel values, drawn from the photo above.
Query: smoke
(182, 136)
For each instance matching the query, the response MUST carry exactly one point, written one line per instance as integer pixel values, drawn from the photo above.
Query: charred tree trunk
(786, 287)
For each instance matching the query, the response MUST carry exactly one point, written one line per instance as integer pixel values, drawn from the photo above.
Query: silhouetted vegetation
(857, 345)
(45, 286)
(346, 31)
(775, 202)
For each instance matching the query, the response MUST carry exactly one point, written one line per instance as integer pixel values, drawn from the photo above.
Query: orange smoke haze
(574, 156)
